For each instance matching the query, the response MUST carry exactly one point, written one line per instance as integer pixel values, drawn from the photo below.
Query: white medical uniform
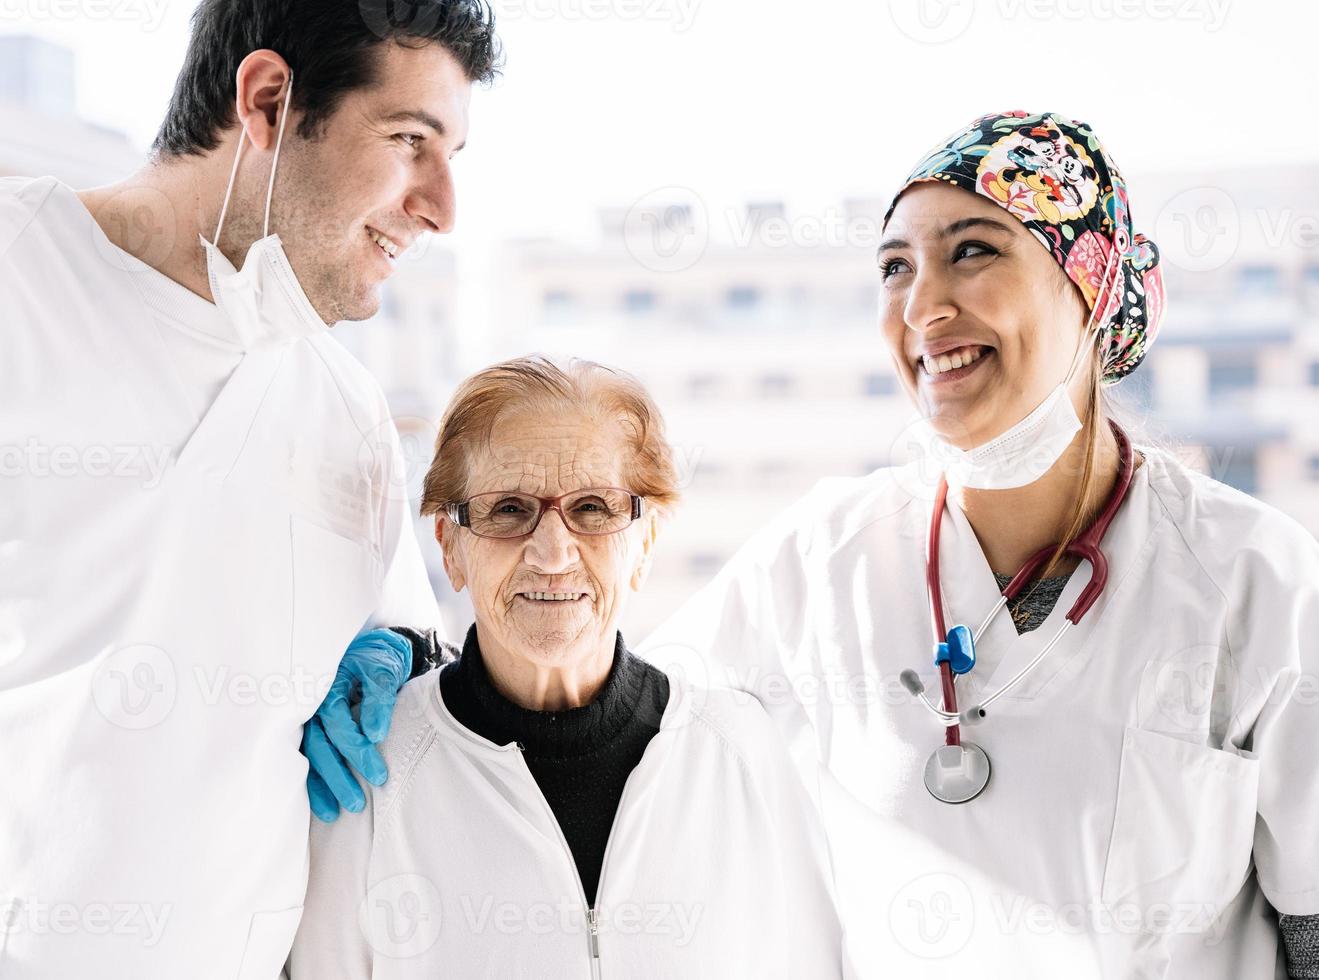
(191, 534)
(715, 867)
(1154, 784)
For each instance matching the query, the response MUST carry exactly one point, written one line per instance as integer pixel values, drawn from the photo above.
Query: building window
(776, 386)
(710, 474)
(742, 298)
(1228, 375)
(880, 385)
(704, 564)
(1314, 374)
(1258, 280)
(638, 301)
(1239, 468)
(557, 301)
(704, 385)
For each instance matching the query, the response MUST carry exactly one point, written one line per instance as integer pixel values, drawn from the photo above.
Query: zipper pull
(593, 929)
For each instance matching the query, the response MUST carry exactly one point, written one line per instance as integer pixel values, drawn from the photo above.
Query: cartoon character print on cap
(1038, 174)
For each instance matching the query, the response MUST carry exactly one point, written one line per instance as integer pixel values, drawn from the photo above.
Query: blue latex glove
(373, 668)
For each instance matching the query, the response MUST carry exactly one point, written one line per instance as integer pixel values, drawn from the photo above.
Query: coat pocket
(1183, 831)
(269, 940)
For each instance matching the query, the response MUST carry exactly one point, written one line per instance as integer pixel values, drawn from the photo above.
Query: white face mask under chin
(1028, 450)
(264, 300)
(1017, 457)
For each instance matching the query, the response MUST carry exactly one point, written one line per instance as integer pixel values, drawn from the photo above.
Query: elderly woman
(556, 806)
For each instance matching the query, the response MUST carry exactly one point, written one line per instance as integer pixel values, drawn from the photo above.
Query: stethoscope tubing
(1087, 546)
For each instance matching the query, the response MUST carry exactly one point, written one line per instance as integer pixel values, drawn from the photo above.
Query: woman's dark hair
(329, 44)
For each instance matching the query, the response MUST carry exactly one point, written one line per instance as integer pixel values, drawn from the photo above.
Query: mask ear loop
(233, 171)
(1102, 302)
(279, 140)
(1113, 300)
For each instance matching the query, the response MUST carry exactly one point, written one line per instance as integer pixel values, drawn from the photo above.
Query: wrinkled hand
(373, 668)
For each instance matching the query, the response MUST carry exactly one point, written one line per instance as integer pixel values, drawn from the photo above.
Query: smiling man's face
(350, 202)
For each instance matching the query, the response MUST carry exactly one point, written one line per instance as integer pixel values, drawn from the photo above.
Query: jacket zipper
(592, 911)
(593, 930)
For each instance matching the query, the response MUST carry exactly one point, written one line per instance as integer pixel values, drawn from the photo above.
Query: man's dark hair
(331, 46)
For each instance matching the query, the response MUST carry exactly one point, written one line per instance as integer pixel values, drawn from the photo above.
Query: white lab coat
(163, 641)
(715, 867)
(1153, 779)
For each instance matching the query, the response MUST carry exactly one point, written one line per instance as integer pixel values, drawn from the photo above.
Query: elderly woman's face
(507, 579)
(980, 320)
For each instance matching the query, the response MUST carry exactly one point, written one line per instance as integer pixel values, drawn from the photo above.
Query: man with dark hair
(202, 492)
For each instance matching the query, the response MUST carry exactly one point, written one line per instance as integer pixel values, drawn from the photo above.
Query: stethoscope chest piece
(957, 773)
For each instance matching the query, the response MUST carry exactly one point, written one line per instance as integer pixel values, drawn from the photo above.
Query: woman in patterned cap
(1142, 800)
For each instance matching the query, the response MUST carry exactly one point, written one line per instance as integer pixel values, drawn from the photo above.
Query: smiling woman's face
(508, 579)
(980, 320)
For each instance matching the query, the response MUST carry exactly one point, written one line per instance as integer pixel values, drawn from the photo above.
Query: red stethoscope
(958, 771)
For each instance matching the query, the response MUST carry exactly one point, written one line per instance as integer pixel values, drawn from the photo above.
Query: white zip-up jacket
(715, 867)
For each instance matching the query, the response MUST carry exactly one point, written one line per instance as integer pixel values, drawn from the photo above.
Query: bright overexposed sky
(603, 101)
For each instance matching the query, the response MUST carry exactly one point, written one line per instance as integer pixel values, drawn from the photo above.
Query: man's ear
(453, 564)
(262, 91)
(642, 569)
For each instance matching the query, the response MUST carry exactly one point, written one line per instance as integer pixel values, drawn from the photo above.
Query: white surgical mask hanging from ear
(1027, 450)
(264, 299)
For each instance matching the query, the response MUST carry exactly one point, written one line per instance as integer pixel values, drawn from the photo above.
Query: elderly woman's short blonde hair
(538, 384)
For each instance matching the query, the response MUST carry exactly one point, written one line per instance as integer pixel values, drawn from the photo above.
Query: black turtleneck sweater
(581, 757)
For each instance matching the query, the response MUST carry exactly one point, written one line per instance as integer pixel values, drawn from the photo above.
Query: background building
(756, 330)
(39, 131)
